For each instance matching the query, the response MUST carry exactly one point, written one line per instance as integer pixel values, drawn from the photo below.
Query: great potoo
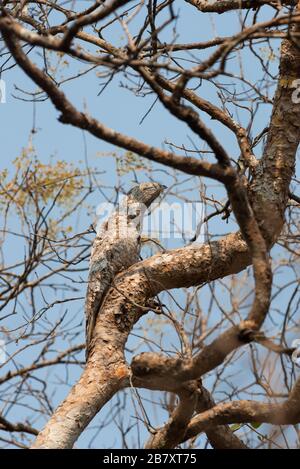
(115, 248)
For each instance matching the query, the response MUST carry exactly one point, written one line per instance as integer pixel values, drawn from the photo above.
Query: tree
(217, 337)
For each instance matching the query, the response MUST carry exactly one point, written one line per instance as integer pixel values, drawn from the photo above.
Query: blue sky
(119, 109)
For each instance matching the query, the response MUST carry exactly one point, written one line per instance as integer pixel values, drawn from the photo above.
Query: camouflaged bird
(116, 247)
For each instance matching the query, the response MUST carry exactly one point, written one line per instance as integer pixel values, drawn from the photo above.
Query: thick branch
(222, 6)
(172, 433)
(247, 412)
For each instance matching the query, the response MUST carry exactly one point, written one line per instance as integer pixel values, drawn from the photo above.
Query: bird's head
(146, 192)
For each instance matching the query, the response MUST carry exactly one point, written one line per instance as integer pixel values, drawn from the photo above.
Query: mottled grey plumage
(116, 247)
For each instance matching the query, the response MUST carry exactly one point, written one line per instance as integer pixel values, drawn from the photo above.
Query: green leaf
(255, 424)
(236, 426)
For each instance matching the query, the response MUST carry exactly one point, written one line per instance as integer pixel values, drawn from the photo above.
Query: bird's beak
(164, 187)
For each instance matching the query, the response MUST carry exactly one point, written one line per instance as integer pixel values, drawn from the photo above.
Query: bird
(115, 248)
